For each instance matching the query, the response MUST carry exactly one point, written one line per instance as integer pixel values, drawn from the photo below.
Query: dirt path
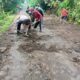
(53, 54)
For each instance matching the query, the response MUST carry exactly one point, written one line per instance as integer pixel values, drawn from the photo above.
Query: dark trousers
(19, 26)
(64, 17)
(26, 22)
(38, 23)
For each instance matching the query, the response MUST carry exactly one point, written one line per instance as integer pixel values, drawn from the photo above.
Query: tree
(10, 5)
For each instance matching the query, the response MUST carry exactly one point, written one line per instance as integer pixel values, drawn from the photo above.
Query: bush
(5, 20)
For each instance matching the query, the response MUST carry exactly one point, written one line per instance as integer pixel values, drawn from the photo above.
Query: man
(41, 12)
(21, 19)
(64, 13)
(38, 17)
(25, 20)
(29, 11)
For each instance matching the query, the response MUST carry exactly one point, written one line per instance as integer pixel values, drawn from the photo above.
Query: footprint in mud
(53, 48)
(76, 59)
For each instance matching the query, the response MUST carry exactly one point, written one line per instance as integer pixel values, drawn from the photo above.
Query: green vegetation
(5, 21)
(9, 5)
(73, 7)
(32, 2)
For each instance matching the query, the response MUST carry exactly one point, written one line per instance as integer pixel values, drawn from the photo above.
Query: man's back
(64, 12)
(22, 17)
(37, 15)
(40, 10)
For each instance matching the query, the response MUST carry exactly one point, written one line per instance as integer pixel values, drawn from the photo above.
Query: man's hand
(34, 23)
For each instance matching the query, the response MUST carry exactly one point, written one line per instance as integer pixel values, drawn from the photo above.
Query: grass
(5, 22)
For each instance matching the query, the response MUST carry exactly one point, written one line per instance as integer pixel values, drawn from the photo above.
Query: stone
(3, 49)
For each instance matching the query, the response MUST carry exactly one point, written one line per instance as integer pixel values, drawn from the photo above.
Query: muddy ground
(53, 54)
